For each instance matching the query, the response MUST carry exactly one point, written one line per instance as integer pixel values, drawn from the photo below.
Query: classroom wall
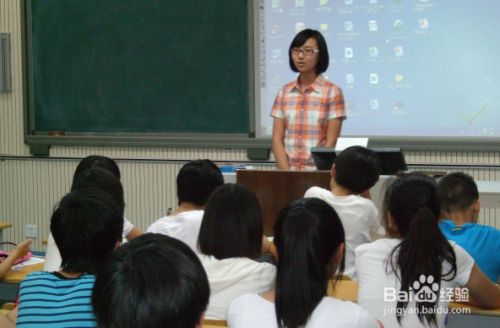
(29, 187)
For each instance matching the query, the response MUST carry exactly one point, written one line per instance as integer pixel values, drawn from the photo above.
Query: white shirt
(359, 216)
(376, 278)
(184, 226)
(53, 257)
(230, 278)
(251, 310)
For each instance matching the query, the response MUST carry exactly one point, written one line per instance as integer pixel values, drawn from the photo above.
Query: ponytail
(307, 235)
(423, 248)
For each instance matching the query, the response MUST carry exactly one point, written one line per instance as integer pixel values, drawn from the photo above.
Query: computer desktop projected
(406, 67)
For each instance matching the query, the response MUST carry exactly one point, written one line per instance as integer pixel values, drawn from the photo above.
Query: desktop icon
(348, 2)
(398, 23)
(323, 27)
(299, 26)
(423, 23)
(276, 53)
(323, 2)
(399, 106)
(275, 29)
(373, 78)
(398, 51)
(373, 52)
(372, 25)
(348, 26)
(399, 78)
(275, 4)
(348, 52)
(374, 104)
(300, 3)
(349, 78)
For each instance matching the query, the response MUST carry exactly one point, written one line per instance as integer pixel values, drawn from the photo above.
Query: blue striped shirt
(47, 299)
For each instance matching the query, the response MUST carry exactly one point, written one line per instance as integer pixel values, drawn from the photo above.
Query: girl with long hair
(309, 240)
(408, 280)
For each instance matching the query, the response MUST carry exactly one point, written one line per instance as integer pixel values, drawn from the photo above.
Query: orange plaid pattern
(306, 115)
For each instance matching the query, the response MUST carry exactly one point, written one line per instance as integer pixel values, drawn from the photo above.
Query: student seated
(460, 208)
(408, 279)
(52, 256)
(309, 239)
(195, 182)
(230, 241)
(354, 172)
(87, 225)
(154, 281)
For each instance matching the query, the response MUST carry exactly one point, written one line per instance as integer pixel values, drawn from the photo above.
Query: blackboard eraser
(56, 133)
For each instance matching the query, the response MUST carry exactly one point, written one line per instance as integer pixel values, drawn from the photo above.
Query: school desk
(347, 290)
(16, 277)
(9, 285)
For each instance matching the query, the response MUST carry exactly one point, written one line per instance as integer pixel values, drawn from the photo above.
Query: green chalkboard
(138, 66)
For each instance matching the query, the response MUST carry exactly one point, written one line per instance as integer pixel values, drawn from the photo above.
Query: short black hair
(152, 281)
(232, 223)
(197, 180)
(300, 39)
(98, 161)
(102, 179)
(86, 226)
(458, 192)
(357, 169)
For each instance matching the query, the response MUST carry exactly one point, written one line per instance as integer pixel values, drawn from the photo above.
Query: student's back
(86, 225)
(460, 207)
(251, 310)
(89, 174)
(49, 299)
(480, 241)
(195, 182)
(309, 239)
(230, 240)
(417, 263)
(355, 171)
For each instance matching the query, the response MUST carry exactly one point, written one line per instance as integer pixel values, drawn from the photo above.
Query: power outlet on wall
(31, 231)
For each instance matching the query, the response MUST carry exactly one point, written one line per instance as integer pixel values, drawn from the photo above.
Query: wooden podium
(276, 189)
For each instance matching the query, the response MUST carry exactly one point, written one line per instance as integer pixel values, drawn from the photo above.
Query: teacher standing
(308, 112)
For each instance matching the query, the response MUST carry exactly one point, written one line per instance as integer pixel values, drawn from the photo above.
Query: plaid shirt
(306, 115)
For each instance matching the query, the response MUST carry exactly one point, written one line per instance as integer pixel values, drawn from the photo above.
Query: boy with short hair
(460, 207)
(354, 172)
(195, 182)
(153, 281)
(87, 224)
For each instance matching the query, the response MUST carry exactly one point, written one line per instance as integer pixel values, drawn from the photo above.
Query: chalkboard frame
(43, 140)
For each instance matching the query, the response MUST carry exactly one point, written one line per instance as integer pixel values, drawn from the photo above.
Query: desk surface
(347, 290)
(5, 225)
(16, 277)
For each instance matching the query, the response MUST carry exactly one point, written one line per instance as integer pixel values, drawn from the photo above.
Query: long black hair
(307, 235)
(413, 202)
